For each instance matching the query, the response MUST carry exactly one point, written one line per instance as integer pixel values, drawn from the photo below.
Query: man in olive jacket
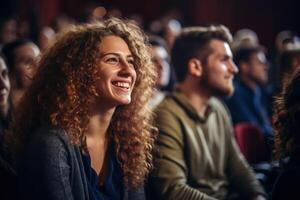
(197, 154)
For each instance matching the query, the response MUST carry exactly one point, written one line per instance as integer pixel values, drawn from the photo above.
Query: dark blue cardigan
(51, 168)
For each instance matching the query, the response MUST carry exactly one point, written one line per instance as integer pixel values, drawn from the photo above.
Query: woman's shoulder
(50, 134)
(48, 140)
(47, 146)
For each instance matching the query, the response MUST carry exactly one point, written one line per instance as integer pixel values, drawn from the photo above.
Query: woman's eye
(130, 61)
(112, 60)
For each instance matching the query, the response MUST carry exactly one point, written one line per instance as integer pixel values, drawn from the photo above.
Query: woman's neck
(99, 123)
(97, 138)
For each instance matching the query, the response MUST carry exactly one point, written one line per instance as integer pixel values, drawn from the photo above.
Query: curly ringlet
(64, 87)
(287, 116)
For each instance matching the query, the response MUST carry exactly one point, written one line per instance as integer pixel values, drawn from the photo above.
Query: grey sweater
(51, 168)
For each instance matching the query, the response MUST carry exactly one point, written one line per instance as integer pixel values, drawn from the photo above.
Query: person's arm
(45, 170)
(169, 178)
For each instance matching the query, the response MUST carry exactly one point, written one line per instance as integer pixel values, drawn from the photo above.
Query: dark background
(265, 17)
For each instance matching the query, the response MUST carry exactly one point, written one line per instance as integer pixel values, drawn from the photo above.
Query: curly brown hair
(65, 85)
(287, 117)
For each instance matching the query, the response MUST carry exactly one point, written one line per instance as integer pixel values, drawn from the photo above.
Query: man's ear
(195, 67)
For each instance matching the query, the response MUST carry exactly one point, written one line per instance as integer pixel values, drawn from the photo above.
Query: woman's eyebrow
(116, 54)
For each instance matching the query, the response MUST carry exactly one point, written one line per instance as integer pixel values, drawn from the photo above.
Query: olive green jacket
(198, 157)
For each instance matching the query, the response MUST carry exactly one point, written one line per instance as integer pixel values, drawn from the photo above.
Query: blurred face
(117, 74)
(4, 85)
(46, 38)
(160, 57)
(258, 68)
(219, 70)
(9, 31)
(25, 64)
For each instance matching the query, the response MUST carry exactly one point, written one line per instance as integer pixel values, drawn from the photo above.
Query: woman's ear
(195, 67)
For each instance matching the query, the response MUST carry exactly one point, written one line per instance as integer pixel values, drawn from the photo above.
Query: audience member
(161, 59)
(83, 129)
(166, 27)
(198, 157)
(46, 38)
(8, 30)
(7, 173)
(285, 39)
(4, 94)
(244, 38)
(249, 101)
(21, 56)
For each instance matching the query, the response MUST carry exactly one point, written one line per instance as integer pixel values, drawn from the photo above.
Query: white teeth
(122, 84)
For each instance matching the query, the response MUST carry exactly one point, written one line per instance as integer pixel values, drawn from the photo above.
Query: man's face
(219, 70)
(257, 68)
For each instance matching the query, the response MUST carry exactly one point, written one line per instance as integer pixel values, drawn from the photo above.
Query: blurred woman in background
(21, 57)
(7, 172)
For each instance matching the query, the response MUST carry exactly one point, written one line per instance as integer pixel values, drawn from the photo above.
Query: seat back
(250, 139)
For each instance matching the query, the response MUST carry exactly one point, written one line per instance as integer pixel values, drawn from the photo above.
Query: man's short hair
(243, 54)
(193, 42)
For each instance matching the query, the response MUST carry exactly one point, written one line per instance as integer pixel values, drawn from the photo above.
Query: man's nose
(233, 68)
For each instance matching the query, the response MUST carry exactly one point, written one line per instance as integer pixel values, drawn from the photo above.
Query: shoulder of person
(169, 105)
(220, 107)
(49, 138)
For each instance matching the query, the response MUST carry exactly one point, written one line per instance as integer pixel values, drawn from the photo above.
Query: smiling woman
(84, 130)
(117, 74)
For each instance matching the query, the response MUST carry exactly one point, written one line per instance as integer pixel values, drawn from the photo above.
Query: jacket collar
(184, 102)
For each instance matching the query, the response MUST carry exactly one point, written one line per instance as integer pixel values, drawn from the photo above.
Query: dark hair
(193, 42)
(286, 62)
(244, 54)
(287, 117)
(8, 52)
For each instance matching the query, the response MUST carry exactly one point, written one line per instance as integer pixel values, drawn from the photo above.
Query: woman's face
(4, 85)
(117, 73)
(25, 63)
(160, 59)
